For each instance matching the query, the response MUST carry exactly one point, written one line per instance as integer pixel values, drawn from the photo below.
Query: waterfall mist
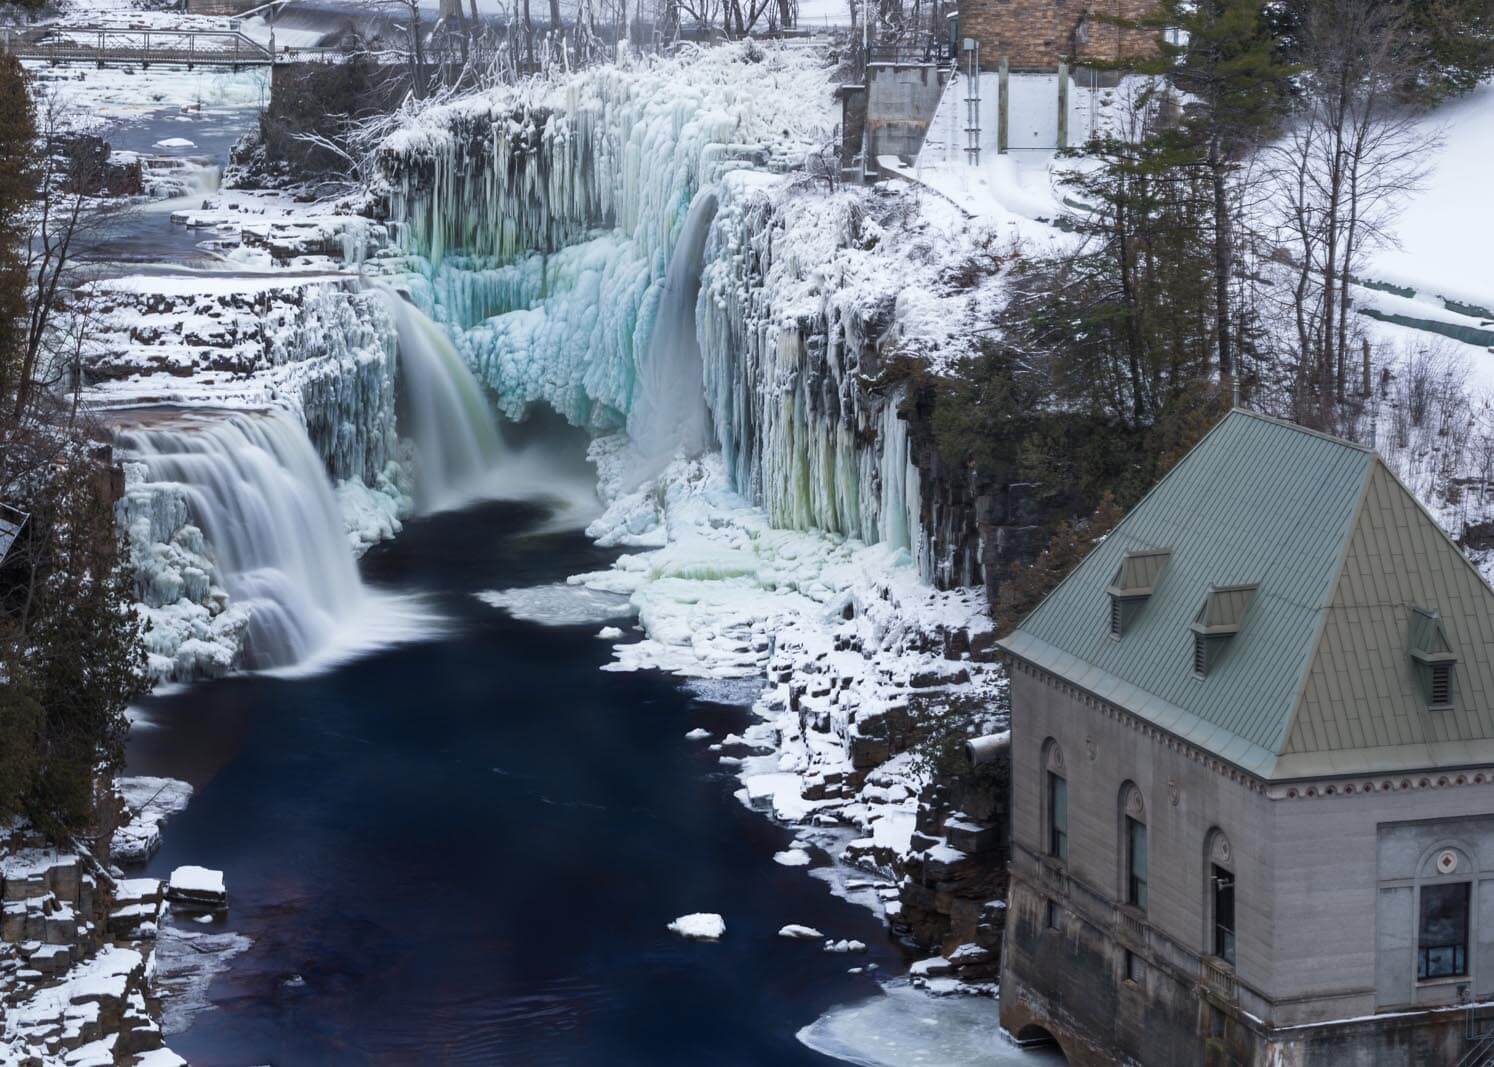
(455, 431)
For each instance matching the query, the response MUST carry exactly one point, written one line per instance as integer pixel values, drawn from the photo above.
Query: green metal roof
(1311, 683)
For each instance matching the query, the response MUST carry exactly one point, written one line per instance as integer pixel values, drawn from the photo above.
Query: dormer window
(1217, 623)
(1432, 658)
(1132, 586)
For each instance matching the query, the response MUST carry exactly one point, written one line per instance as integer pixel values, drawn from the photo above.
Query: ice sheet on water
(558, 604)
(901, 1027)
(734, 692)
(186, 962)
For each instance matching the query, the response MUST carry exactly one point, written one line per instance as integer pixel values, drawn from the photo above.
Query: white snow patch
(699, 926)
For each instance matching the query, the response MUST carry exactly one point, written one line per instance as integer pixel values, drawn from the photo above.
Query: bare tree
(1352, 154)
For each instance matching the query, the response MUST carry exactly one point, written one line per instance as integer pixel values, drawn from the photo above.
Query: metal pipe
(983, 750)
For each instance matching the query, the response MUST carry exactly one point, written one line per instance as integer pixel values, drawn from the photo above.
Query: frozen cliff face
(543, 217)
(561, 230)
(321, 345)
(191, 628)
(816, 309)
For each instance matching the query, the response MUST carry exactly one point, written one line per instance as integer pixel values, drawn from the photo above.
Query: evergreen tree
(1224, 59)
(18, 188)
(76, 651)
(1127, 322)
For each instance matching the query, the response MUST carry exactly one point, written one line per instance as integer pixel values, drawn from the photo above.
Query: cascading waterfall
(669, 412)
(559, 227)
(256, 487)
(455, 432)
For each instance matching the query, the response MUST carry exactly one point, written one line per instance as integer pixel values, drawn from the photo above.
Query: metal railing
(1480, 1040)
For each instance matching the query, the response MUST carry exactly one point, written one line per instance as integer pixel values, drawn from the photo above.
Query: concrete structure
(1253, 774)
(899, 103)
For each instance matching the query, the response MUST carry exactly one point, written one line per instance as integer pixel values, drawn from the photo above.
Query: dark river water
(467, 850)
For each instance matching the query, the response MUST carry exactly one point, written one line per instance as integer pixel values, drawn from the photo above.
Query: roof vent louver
(1432, 658)
(1217, 622)
(1132, 586)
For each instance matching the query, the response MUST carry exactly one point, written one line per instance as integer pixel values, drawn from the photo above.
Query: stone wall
(1324, 901)
(1037, 34)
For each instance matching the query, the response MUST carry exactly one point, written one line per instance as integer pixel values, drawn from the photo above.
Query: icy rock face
(786, 353)
(191, 630)
(545, 216)
(555, 228)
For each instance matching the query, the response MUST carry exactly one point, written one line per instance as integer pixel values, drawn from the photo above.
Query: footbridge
(103, 45)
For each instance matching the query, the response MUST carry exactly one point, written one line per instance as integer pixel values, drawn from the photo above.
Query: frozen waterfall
(669, 412)
(455, 431)
(257, 489)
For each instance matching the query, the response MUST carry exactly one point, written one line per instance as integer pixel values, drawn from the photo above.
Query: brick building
(1038, 34)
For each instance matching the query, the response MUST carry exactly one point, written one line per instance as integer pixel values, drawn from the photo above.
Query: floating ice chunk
(697, 734)
(609, 633)
(845, 946)
(795, 932)
(793, 857)
(699, 926)
(176, 142)
(559, 604)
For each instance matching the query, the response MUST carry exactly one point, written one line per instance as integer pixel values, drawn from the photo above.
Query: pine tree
(18, 187)
(1224, 59)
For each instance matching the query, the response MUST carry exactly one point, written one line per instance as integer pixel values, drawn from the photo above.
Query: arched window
(1444, 913)
(1219, 899)
(1133, 846)
(1055, 802)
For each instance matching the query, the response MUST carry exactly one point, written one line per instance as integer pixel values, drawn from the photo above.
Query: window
(1058, 817)
(1135, 863)
(1222, 883)
(1200, 655)
(1050, 915)
(1115, 616)
(1442, 934)
(1133, 967)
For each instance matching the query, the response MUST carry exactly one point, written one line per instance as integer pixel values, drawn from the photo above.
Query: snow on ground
(92, 99)
(1444, 231)
(149, 802)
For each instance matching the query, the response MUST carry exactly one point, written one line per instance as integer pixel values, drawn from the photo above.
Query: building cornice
(1295, 789)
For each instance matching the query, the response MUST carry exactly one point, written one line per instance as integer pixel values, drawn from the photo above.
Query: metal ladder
(972, 105)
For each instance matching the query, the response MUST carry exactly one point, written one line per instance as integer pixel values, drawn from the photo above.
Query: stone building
(1039, 34)
(1253, 775)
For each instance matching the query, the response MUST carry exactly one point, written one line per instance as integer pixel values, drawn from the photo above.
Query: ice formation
(561, 229)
